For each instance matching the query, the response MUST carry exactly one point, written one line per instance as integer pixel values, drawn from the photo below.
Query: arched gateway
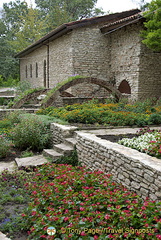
(102, 83)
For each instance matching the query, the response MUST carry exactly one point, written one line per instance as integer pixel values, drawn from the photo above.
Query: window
(44, 73)
(31, 70)
(36, 70)
(26, 71)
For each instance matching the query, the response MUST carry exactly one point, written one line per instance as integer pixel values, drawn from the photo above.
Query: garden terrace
(137, 171)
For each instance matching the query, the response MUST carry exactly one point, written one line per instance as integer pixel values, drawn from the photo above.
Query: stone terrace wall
(137, 171)
(60, 132)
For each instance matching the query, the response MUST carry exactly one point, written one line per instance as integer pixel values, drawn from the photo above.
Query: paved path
(115, 131)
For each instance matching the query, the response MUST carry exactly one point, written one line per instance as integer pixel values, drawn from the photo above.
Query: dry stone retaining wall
(136, 171)
(60, 132)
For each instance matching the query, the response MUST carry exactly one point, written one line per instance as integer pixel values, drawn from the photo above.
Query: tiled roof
(121, 23)
(67, 27)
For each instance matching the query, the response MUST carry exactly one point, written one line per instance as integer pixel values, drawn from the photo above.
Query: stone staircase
(59, 150)
(62, 149)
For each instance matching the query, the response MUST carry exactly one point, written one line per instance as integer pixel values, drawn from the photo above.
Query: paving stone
(3, 237)
(52, 153)
(31, 161)
(11, 166)
(63, 148)
(71, 141)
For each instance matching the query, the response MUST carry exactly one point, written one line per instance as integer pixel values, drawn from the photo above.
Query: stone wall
(125, 56)
(90, 58)
(60, 132)
(36, 57)
(137, 171)
(149, 74)
(60, 60)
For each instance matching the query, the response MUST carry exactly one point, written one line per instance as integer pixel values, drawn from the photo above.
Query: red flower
(107, 216)
(82, 209)
(66, 219)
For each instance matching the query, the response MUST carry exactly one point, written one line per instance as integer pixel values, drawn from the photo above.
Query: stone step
(63, 148)
(31, 161)
(52, 154)
(70, 141)
(3, 237)
(10, 166)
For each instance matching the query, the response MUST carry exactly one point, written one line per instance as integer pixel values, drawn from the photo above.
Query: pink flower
(66, 219)
(107, 216)
(83, 234)
(95, 237)
(82, 209)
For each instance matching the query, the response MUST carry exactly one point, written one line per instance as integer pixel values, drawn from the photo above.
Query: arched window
(124, 87)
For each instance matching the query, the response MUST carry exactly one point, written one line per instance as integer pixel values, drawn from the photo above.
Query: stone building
(107, 48)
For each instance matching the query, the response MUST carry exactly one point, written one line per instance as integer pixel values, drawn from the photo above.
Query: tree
(62, 11)
(152, 33)
(8, 65)
(142, 4)
(31, 29)
(9, 25)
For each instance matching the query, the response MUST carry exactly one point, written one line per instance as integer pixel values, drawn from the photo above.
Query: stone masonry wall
(149, 74)
(125, 56)
(90, 58)
(38, 56)
(136, 171)
(60, 132)
(61, 62)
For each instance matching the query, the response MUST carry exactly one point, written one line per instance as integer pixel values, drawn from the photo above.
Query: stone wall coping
(65, 127)
(132, 154)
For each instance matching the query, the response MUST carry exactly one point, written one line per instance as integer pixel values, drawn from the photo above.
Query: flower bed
(116, 114)
(148, 141)
(81, 204)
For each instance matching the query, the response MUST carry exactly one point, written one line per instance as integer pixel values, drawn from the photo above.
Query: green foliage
(74, 197)
(153, 26)
(27, 153)
(148, 141)
(155, 118)
(70, 160)
(23, 92)
(116, 114)
(59, 12)
(14, 116)
(23, 86)
(5, 146)
(13, 201)
(31, 133)
(31, 29)
(10, 82)
(50, 93)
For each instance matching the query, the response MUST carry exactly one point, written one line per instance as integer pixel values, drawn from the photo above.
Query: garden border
(137, 171)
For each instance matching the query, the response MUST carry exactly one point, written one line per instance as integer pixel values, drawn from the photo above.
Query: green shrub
(5, 146)
(155, 118)
(14, 116)
(72, 159)
(31, 133)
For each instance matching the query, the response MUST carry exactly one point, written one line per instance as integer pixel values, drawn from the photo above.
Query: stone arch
(124, 87)
(116, 93)
(29, 96)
